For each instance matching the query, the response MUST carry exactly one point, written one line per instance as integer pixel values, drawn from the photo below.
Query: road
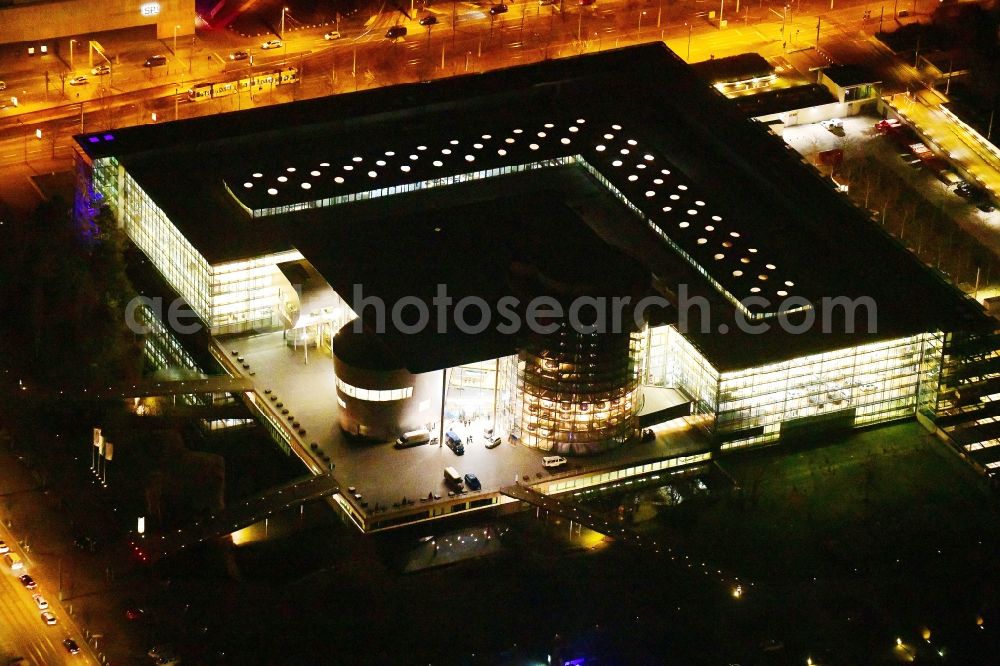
(22, 632)
(465, 39)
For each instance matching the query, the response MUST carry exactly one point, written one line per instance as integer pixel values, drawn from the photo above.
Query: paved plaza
(304, 382)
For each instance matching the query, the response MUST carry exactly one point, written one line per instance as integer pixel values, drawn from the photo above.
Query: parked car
(333, 34)
(395, 32)
(155, 61)
(553, 461)
(40, 602)
(3, 86)
(71, 646)
(492, 442)
(496, 10)
(4, 548)
(48, 618)
(101, 70)
(272, 44)
(472, 482)
(27, 581)
(429, 20)
(239, 55)
(454, 442)
(832, 124)
(78, 80)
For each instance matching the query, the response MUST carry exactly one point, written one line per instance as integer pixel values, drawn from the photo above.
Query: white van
(413, 438)
(13, 561)
(553, 461)
(452, 476)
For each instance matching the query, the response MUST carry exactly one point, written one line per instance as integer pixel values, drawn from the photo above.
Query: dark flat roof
(733, 68)
(783, 99)
(745, 215)
(850, 75)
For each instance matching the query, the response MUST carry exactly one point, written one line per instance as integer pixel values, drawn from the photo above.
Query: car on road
(454, 442)
(985, 206)
(101, 70)
(272, 44)
(492, 442)
(395, 32)
(40, 602)
(48, 617)
(544, 3)
(71, 646)
(168, 660)
(553, 461)
(429, 20)
(239, 55)
(4, 548)
(472, 482)
(133, 612)
(27, 581)
(832, 124)
(333, 34)
(155, 61)
(3, 86)
(496, 10)
(158, 651)
(78, 80)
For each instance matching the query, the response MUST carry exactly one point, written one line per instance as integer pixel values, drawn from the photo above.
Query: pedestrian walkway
(251, 510)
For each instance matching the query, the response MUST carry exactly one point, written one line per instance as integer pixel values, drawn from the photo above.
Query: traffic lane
(22, 627)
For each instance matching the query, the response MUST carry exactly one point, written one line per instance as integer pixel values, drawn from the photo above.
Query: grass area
(853, 543)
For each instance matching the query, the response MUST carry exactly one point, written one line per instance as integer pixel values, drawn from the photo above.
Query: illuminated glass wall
(246, 294)
(471, 391)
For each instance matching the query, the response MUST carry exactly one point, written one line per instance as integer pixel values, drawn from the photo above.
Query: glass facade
(373, 395)
(572, 392)
(471, 391)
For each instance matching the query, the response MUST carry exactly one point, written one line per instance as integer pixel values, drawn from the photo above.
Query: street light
(176, 28)
(283, 10)
(638, 31)
(71, 43)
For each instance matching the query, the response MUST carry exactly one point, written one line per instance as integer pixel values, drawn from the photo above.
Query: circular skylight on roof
(338, 179)
(632, 142)
(282, 179)
(414, 158)
(682, 187)
(501, 152)
(616, 127)
(633, 178)
(699, 203)
(761, 277)
(541, 135)
(580, 121)
(769, 267)
(348, 167)
(650, 193)
(616, 163)
(248, 185)
(719, 256)
(600, 148)
(574, 128)
(509, 140)
(674, 197)
(454, 142)
(608, 137)
(290, 169)
(446, 151)
(752, 250)
(314, 173)
(438, 163)
(518, 131)
(647, 157)
(640, 166)
(709, 228)
(487, 137)
(379, 162)
(789, 283)
(754, 290)
(702, 241)
(258, 175)
(658, 181)
(533, 146)
(782, 292)
(389, 153)
(684, 224)
(272, 191)
(405, 168)
(665, 172)
(734, 234)
(717, 218)
(744, 260)
(549, 125)
(324, 164)
(623, 151)
(727, 244)
(564, 141)
(667, 209)
(356, 158)
(692, 211)
(372, 174)
(737, 273)
(477, 146)
(470, 158)
(306, 186)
